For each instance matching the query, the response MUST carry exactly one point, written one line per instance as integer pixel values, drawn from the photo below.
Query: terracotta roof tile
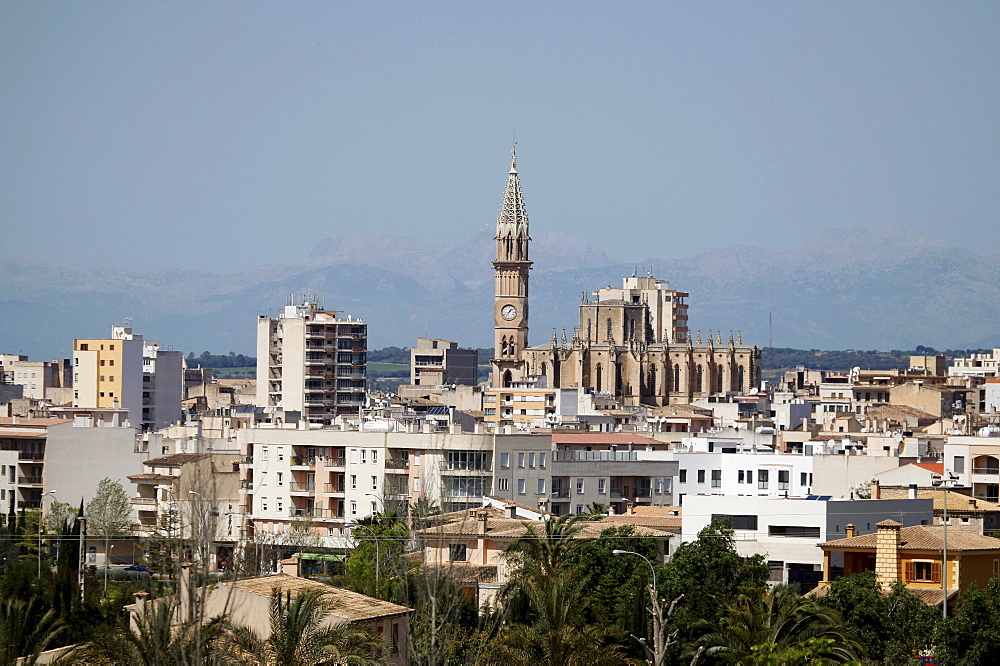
(922, 537)
(350, 605)
(602, 438)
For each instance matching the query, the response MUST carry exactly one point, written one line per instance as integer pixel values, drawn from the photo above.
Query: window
(793, 531)
(683, 476)
(749, 476)
(364, 456)
(742, 522)
(505, 460)
(354, 508)
(416, 484)
(280, 503)
(354, 481)
(503, 484)
(374, 456)
(521, 486)
(600, 486)
(280, 480)
(263, 478)
(541, 486)
(959, 464)
(281, 453)
(762, 479)
(579, 486)
(701, 476)
(374, 509)
(923, 571)
(354, 456)
(716, 478)
(263, 453)
(263, 504)
(803, 479)
(416, 457)
(457, 552)
(579, 509)
(541, 459)
(741, 476)
(520, 460)
(782, 479)
(374, 483)
(531, 460)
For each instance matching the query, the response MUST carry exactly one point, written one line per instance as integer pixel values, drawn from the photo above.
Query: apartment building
(434, 362)
(39, 378)
(126, 370)
(976, 463)
(520, 406)
(976, 365)
(311, 360)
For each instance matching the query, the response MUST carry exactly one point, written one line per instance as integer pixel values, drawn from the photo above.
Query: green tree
(26, 629)
(109, 512)
(548, 550)
(376, 565)
(298, 637)
(972, 636)
(774, 621)
(892, 626)
(710, 575)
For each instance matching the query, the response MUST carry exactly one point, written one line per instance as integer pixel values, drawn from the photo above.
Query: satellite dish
(754, 391)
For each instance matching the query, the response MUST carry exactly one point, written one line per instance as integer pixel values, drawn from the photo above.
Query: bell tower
(510, 300)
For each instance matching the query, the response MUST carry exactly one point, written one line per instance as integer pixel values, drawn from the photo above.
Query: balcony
(246, 484)
(30, 480)
(31, 456)
(143, 501)
(643, 492)
(301, 487)
(302, 461)
(559, 493)
(29, 504)
(144, 528)
(613, 456)
(397, 464)
(326, 514)
(334, 462)
(333, 488)
(246, 460)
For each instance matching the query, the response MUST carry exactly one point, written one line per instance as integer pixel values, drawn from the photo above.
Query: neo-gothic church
(631, 342)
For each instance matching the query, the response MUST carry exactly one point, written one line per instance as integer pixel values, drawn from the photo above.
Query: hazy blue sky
(223, 135)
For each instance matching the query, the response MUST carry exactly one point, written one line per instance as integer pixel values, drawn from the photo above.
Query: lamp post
(944, 481)
(41, 515)
(658, 652)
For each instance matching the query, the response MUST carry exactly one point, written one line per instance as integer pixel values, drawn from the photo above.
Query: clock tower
(510, 300)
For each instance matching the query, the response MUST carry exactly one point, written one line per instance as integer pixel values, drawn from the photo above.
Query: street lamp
(107, 563)
(41, 515)
(658, 652)
(944, 481)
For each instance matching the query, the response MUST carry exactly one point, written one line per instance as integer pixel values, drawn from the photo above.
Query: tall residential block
(435, 362)
(126, 370)
(311, 360)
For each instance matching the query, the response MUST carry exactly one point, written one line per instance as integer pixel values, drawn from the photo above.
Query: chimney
(887, 553)
(876, 490)
(913, 491)
(973, 504)
(512, 511)
(482, 517)
(850, 530)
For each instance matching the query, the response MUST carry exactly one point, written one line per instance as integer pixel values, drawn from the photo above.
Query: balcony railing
(29, 504)
(246, 460)
(151, 501)
(397, 463)
(312, 513)
(27, 480)
(333, 487)
(334, 462)
(246, 484)
(302, 486)
(30, 455)
(986, 470)
(559, 493)
(643, 492)
(573, 456)
(302, 461)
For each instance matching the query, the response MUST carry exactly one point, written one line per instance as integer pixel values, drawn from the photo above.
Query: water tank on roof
(989, 431)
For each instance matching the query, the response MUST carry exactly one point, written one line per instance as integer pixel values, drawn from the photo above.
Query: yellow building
(518, 407)
(105, 370)
(913, 556)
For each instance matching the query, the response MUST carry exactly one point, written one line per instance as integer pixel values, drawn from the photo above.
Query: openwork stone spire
(513, 219)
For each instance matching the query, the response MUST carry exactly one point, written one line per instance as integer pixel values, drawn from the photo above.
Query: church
(631, 343)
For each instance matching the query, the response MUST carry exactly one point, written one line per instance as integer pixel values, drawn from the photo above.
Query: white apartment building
(976, 365)
(976, 463)
(311, 360)
(36, 377)
(786, 531)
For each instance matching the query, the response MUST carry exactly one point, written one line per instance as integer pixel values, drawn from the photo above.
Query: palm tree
(556, 634)
(155, 640)
(25, 630)
(298, 636)
(547, 552)
(778, 620)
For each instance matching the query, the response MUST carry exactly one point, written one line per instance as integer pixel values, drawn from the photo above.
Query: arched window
(609, 330)
(503, 346)
(507, 379)
(739, 375)
(718, 380)
(588, 331)
(513, 347)
(543, 369)
(699, 379)
(597, 383)
(631, 329)
(652, 379)
(677, 376)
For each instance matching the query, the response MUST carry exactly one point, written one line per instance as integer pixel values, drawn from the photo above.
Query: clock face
(508, 312)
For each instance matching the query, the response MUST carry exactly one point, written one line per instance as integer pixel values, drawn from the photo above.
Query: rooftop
(350, 605)
(922, 537)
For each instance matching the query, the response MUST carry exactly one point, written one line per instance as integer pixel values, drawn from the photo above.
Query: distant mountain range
(862, 288)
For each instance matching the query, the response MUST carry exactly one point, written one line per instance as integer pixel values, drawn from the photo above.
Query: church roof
(513, 218)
